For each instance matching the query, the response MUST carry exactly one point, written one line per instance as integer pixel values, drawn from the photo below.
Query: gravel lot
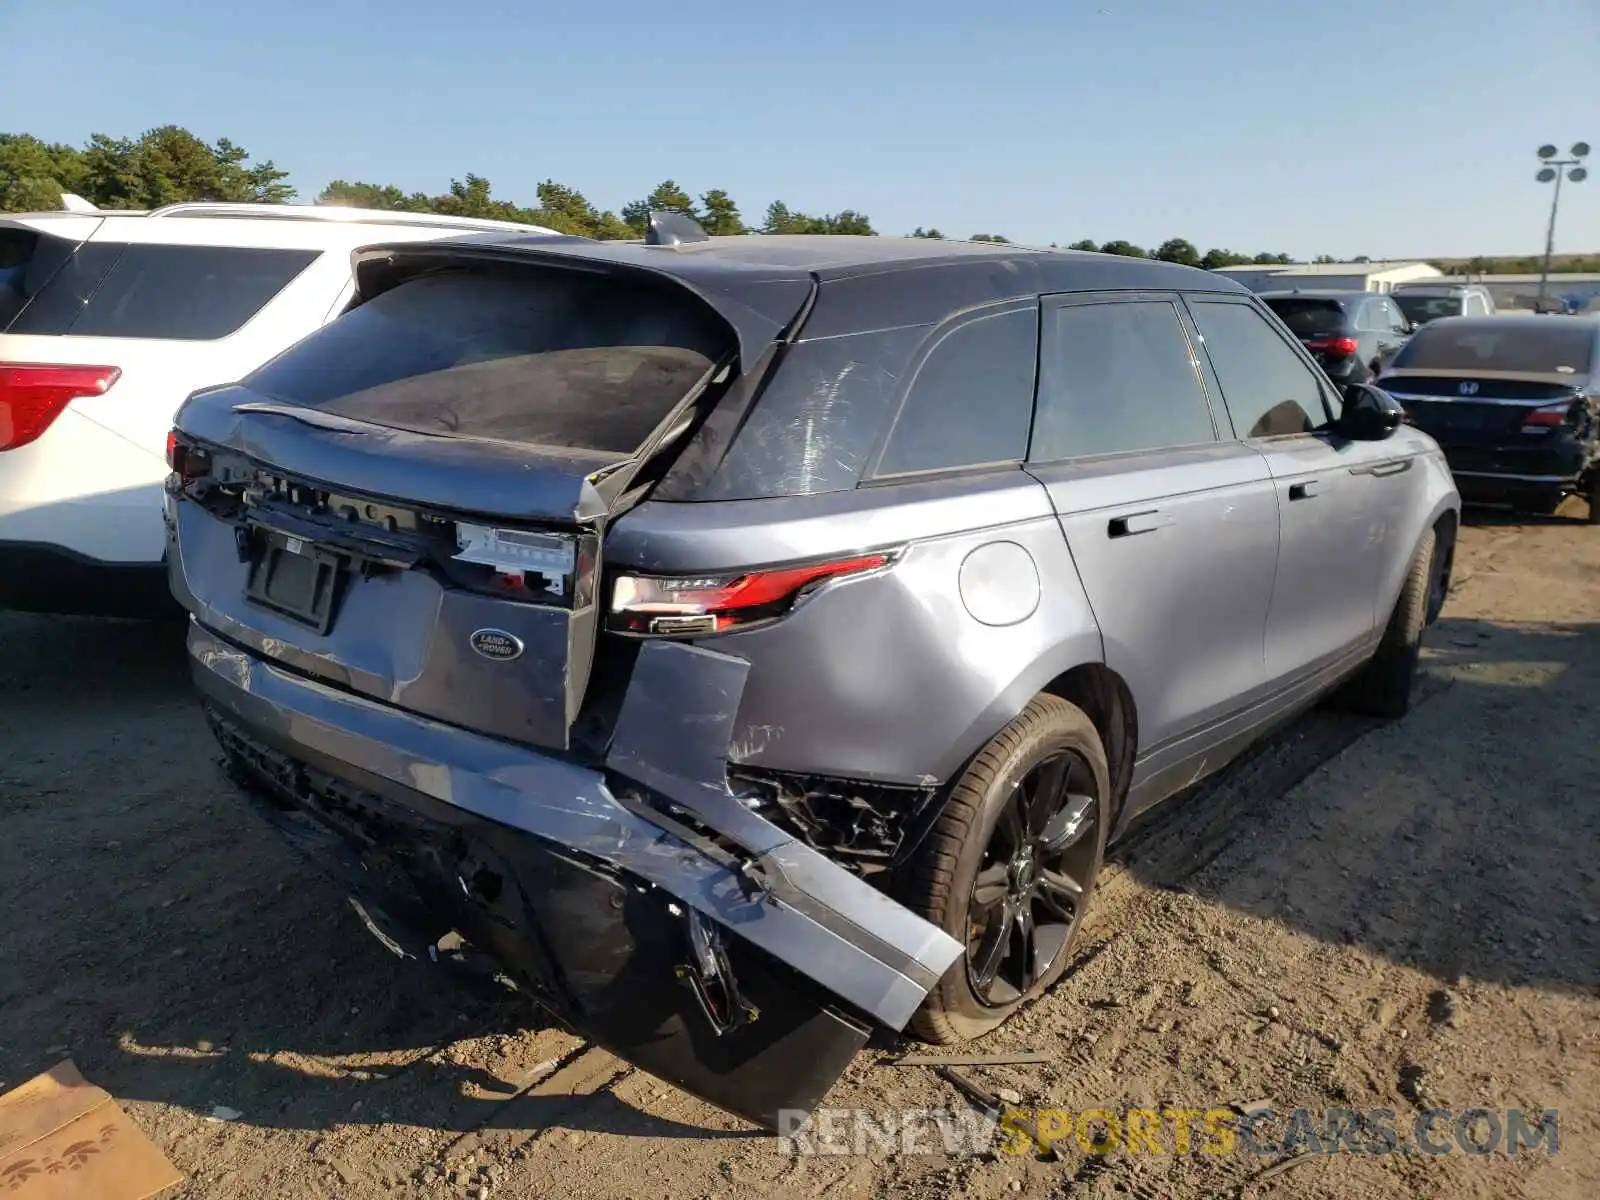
(1362, 916)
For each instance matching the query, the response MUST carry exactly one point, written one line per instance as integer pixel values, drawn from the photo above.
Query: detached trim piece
(790, 901)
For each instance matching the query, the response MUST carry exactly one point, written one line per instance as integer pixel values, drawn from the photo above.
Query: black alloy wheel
(1028, 895)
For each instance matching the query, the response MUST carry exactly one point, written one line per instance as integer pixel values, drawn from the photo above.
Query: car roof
(1514, 321)
(1349, 294)
(825, 256)
(760, 282)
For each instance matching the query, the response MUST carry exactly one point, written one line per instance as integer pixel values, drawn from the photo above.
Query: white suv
(107, 321)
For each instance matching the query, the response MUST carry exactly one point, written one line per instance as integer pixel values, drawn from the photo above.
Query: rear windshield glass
(1513, 346)
(1422, 309)
(1306, 316)
(549, 358)
(186, 293)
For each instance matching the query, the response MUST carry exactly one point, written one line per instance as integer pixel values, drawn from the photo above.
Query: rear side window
(1508, 345)
(971, 400)
(1269, 390)
(1117, 377)
(28, 260)
(549, 358)
(186, 293)
(1307, 317)
(818, 418)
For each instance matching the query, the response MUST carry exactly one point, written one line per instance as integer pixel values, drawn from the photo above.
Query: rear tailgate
(411, 503)
(1490, 408)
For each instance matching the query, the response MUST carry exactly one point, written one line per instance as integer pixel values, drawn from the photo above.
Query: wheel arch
(1081, 677)
(1106, 699)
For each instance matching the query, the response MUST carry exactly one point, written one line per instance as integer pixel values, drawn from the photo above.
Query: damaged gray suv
(744, 644)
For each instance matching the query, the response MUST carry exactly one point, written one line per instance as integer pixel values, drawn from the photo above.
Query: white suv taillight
(665, 605)
(33, 395)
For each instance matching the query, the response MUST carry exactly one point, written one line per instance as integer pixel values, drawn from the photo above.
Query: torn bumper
(721, 954)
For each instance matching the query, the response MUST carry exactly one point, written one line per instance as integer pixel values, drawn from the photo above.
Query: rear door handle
(1303, 491)
(1134, 523)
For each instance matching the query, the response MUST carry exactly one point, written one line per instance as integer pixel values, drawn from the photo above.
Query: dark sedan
(1352, 334)
(1513, 401)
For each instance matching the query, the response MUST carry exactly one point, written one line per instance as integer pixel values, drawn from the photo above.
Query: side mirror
(1370, 414)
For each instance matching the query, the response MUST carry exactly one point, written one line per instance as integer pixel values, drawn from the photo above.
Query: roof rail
(338, 215)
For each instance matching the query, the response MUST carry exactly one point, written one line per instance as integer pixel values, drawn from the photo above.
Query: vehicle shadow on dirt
(1462, 840)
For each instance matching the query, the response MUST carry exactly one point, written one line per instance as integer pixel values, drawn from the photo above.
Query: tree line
(169, 165)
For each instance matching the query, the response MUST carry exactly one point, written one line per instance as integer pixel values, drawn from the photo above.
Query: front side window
(1269, 390)
(1116, 377)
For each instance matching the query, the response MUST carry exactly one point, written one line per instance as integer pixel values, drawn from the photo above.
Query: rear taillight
(33, 395)
(1547, 417)
(687, 605)
(1338, 345)
(188, 461)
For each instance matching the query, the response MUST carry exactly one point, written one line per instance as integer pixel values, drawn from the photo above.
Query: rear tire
(1592, 495)
(1030, 816)
(1383, 687)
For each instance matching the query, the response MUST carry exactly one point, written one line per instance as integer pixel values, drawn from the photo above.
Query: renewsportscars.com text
(1212, 1131)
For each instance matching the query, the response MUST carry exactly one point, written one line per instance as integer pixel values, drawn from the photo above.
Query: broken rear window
(548, 358)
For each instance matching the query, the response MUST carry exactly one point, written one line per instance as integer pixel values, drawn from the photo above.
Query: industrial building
(1341, 276)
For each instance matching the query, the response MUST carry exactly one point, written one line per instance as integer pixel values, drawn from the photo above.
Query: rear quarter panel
(891, 676)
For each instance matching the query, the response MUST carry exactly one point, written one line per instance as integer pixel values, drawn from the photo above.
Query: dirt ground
(1358, 915)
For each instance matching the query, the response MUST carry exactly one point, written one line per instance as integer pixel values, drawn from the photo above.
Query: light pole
(1555, 169)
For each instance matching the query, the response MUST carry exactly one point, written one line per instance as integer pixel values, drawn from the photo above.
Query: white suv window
(149, 290)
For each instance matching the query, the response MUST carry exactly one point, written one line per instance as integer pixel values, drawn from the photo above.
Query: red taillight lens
(1547, 417)
(659, 604)
(1339, 345)
(188, 462)
(33, 395)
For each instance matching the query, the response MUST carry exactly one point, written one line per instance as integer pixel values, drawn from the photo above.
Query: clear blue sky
(1378, 127)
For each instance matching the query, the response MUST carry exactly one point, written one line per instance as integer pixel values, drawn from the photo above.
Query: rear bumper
(589, 898)
(1506, 473)
(50, 579)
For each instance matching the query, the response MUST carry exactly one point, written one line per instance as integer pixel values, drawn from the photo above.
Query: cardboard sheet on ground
(62, 1138)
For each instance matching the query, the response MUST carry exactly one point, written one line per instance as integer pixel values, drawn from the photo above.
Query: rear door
(1330, 504)
(1173, 528)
